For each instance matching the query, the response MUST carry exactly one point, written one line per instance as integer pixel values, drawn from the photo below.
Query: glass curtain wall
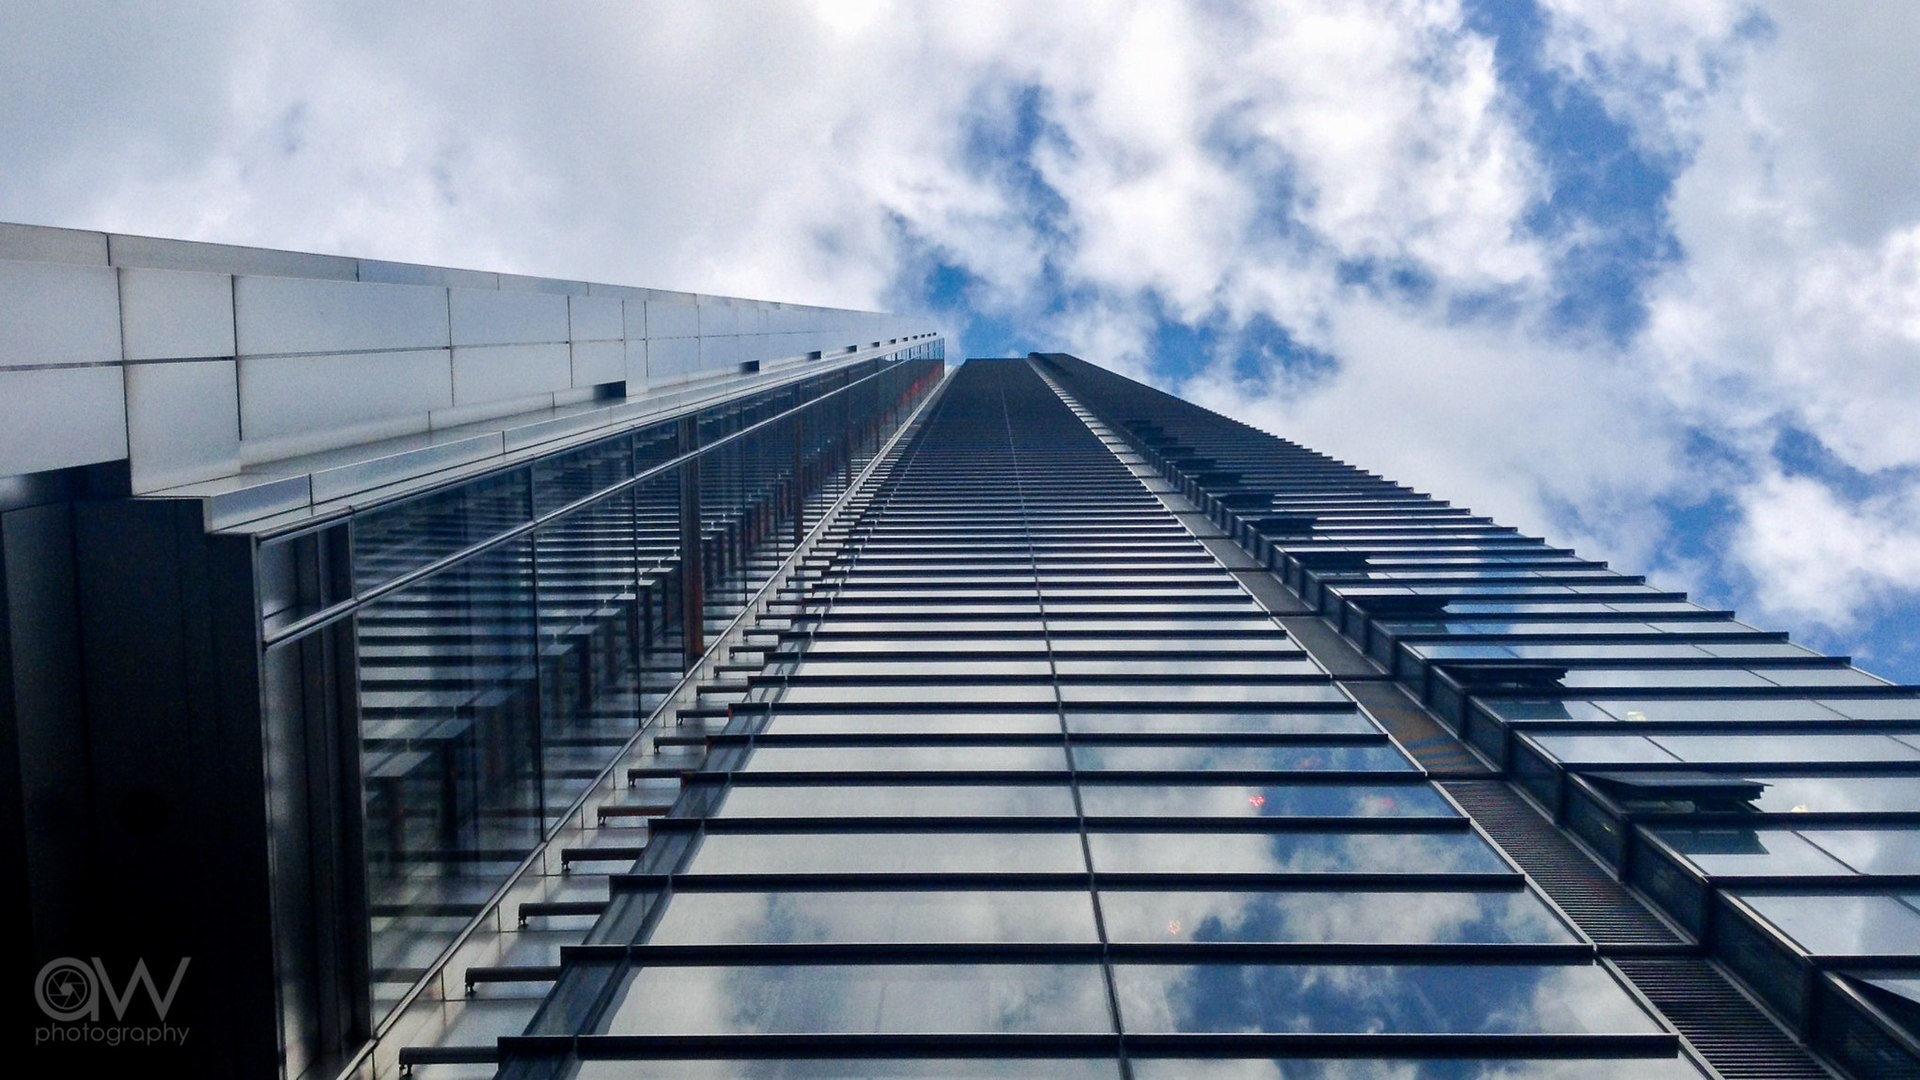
(1031, 787)
(477, 655)
(1766, 797)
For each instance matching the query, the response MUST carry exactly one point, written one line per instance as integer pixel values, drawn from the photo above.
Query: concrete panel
(596, 362)
(493, 372)
(40, 243)
(399, 273)
(671, 356)
(666, 319)
(56, 313)
(183, 422)
(483, 317)
(287, 315)
(56, 418)
(282, 396)
(162, 254)
(596, 318)
(175, 313)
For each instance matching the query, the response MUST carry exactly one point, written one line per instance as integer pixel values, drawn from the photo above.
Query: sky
(1640, 276)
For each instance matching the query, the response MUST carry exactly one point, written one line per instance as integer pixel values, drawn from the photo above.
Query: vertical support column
(693, 600)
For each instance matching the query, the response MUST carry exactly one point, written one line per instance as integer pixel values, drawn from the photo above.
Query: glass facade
(1761, 796)
(1023, 779)
(493, 645)
(1021, 720)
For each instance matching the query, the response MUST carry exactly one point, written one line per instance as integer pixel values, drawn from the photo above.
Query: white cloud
(1484, 416)
(1221, 164)
(1797, 302)
(1822, 558)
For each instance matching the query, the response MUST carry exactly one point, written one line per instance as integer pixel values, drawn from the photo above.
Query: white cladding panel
(55, 418)
(671, 356)
(58, 313)
(667, 319)
(41, 243)
(596, 362)
(485, 317)
(483, 373)
(596, 318)
(292, 315)
(291, 395)
(183, 422)
(165, 314)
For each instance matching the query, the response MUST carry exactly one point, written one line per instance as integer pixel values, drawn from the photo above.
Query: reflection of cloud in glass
(1361, 998)
(861, 998)
(862, 1069)
(1329, 917)
(1274, 800)
(896, 800)
(1838, 794)
(1294, 853)
(1176, 757)
(1426, 1069)
(888, 853)
(733, 918)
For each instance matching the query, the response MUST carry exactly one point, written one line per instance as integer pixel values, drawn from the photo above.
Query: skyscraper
(833, 713)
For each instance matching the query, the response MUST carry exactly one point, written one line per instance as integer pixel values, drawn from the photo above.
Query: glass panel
(1839, 924)
(924, 800)
(1875, 708)
(839, 917)
(888, 853)
(1263, 800)
(559, 479)
(1196, 694)
(1178, 757)
(1605, 749)
(655, 445)
(908, 724)
(922, 668)
(1838, 794)
(1379, 917)
(1559, 1068)
(1749, 852)
(589, 642)
(449, 737)
(1591, 679)
(1796, 747)
(857, 1069)
(1348, 722)
(946, 693)
(1293, 853)
(843, 649)
(1188, 669)
(1689, 710)
(878, 998)
(1274, 646)
(1872, 851)
(391, 540)
(1366, 999)
(888, 759)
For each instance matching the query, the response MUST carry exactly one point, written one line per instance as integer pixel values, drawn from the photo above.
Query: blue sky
(1639, 275)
